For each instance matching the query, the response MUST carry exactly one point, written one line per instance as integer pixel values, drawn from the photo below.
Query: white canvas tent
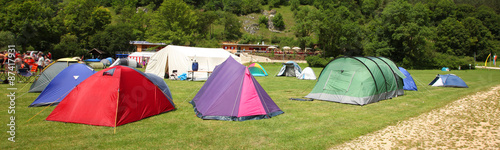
(180, 58)
(307, 74)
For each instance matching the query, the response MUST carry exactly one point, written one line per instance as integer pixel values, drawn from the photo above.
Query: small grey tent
(126, 62)
(290, 69)
(97, 65)
(108, 61)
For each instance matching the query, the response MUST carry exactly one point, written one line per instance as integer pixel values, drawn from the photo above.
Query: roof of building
(145, 43)
(95, 50)
(247, 44)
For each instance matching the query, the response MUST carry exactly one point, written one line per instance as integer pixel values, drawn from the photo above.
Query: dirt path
(246, 58)
(469, 123)
(483, 67)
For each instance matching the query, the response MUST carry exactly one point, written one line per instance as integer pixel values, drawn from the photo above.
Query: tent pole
(116, 114)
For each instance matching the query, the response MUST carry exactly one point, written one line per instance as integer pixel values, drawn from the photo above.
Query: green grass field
(304, 125)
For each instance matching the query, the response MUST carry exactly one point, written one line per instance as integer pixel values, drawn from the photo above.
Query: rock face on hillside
(270, 14)
(251, 22)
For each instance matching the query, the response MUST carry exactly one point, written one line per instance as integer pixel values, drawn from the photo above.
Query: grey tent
(96, 65)
(290, 69)
(126, 62)
(49, 73)
(108, 61)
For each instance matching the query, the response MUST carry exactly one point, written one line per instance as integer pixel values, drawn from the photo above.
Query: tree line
(415, 34)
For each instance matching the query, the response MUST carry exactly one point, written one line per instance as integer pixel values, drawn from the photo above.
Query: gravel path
(246, 58)
(469, 123)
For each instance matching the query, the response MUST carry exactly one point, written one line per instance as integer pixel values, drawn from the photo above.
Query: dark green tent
(358, 80)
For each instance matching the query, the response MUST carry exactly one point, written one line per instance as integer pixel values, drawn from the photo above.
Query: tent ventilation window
(109, 72)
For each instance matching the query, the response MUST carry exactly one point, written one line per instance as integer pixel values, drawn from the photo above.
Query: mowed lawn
(304, 125)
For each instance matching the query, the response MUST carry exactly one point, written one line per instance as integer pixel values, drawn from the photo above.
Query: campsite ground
(304, 125)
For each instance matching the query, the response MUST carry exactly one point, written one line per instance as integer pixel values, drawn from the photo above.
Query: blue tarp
(62, 84)
(92, 60)
(409, 83)
(122, 55)
(183, 76)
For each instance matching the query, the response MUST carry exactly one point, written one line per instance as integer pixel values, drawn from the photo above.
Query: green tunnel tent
(358, 80)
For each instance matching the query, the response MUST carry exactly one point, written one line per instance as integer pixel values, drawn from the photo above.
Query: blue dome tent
(409, 83)
(448, 80)
(60, 86)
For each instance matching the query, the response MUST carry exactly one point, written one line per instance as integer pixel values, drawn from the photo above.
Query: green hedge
(317, 61)
(452, 62)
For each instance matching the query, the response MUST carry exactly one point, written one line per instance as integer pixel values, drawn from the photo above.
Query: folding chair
(173, 76)
(3, 73)
(24, 75)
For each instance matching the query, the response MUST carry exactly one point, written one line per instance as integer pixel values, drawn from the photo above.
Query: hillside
(252, 21)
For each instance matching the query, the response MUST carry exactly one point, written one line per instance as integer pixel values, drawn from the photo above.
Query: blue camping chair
(24, 75)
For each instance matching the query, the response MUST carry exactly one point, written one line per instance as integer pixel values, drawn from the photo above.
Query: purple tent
(232, 93)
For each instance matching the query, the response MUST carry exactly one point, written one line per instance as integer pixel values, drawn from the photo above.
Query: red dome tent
(114, 97)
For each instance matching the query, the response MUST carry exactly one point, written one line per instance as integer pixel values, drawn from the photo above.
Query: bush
(452, 62)
(210, 43)
(247, 39)
(263, 20)
(278, 21)
(284, 41)
(294, 5)
(317, 61)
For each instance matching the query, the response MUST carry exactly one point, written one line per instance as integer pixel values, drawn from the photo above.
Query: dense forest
(416, 34)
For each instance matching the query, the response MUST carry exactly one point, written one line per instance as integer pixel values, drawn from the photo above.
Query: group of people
(27, 60)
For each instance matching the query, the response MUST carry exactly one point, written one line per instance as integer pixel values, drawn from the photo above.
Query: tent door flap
(339, 80)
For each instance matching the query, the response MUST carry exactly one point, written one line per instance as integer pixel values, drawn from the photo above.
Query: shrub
(445, 60)
(294, 5)
(317, 61)
(247, 39)
(263, 20)
(278, 21)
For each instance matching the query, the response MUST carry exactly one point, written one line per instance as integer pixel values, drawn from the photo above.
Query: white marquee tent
(180, 58)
